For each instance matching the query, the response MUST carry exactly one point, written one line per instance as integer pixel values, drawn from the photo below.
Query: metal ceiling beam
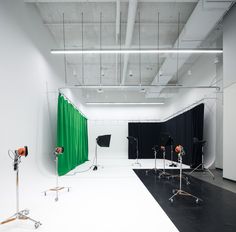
(117, 20)
(205, 16)
(129, 34)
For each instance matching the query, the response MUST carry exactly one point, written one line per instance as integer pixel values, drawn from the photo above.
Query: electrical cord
(10, 153)
(86, 170)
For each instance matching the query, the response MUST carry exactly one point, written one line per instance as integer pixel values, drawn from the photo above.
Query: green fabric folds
(72, 134)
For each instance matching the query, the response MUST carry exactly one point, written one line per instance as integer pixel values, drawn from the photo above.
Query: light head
(22, 151)
(59, 150)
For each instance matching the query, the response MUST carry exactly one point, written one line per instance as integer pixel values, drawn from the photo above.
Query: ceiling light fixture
(125, 103)
(142, 90)
(100, 90)
(136, 51)
(130, 73)
(216, 60)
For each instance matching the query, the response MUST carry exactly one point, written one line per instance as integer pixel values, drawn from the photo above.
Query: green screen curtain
(72, 134)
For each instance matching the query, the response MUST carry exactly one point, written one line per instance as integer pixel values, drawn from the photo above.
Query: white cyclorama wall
(114, 120)
(229, 109)
(29, 79)
(204, 72)
(118, 144)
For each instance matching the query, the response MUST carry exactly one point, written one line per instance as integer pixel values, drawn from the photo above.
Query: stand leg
(196, 168)
(203, 167)
(207, 169)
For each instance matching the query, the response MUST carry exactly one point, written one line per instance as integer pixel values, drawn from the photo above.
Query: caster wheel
(56, 199)
(159, 177)
(45, 194)
(197, 201)
(173, 191)
(36, 225)
(68, 190)
(171, 200)
(26, 212)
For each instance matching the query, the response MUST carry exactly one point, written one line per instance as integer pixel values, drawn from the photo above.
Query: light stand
(132, 141)
(155, 156)
(137, 154)
(202, 144)
(179, 192)
(95, 166)
(172, 164)
(164, 173)
(155, 149)
(58, 151)
(20, 214)
(102, 141)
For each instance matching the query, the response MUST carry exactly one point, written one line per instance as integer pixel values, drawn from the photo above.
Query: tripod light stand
(102, 141)
(201, 143)
(58, 151)
(20, 214)
(134, 140)
(179, 192)
(164, 173)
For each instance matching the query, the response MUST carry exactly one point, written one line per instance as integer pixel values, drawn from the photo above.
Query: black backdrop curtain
(181, 128)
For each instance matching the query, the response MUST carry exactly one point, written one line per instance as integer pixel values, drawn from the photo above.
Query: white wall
(29, 78)
(229, 109)
(118, 145)
(114, 120)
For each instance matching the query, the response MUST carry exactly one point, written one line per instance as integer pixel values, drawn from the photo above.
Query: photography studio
(118, 115)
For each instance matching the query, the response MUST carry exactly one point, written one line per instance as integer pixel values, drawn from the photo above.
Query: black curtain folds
(181, 128)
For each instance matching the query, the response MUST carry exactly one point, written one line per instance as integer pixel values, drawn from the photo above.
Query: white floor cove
(111, 199)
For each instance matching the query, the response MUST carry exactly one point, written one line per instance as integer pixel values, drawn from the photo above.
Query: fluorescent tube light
(125, 103)
(137, 51)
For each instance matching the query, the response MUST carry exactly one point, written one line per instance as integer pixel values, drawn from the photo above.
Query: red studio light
(23, 151)
(59, 150)
(178, 149)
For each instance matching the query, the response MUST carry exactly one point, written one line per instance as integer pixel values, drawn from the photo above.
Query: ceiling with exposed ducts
(128, 25)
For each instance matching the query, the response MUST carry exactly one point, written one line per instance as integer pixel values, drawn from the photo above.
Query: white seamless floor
(111, 199)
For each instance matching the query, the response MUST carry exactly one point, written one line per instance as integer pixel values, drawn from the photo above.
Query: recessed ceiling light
(74, 73)
(130, 73)
(160, 73)
(216, 60)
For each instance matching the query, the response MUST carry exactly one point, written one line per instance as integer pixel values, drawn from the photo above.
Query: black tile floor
(216, 213)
